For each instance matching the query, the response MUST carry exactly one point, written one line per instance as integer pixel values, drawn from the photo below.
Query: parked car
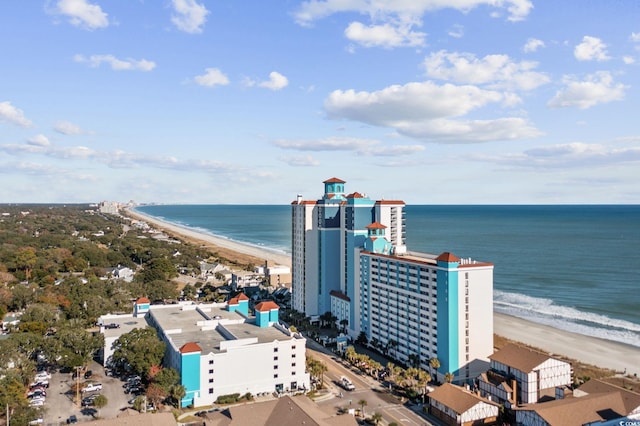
(36, 394)
(133, 390)
(72, 420)
(92, 387)
(88, 374)
(37, 421)
(112, 325)
(36, 390)
(42, 375)
(36, 402)
(41, 383)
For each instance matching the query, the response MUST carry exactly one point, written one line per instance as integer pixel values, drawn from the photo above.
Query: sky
(255, 101)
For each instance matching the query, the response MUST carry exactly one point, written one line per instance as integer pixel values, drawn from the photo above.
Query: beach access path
(590, 350)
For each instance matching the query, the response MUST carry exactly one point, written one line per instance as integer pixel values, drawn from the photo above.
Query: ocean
(573, 267)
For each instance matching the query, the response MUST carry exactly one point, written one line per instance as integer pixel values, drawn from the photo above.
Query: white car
(92, 387)
(36, 403)
(42, 375)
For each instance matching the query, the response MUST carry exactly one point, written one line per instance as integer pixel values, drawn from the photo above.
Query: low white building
(219, 349)
(523, 376)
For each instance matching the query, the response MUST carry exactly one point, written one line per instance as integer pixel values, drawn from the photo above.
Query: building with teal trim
(221, 348)
(412, 306)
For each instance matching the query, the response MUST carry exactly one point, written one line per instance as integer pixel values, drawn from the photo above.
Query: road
(377, 398)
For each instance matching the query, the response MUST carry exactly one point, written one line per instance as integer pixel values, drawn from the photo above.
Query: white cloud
(498, 71)
(385, 35)
(532, 45)
(326, 144)
(13, 115)
(312, 10)
(635, 37)
(457, 31)
(212, 77)
(575, 155)
(67, 128)
(276, 81)
(39, 140)
(595, 89)
(189, 16)
(83, 14)
(370, 147)
(427, 111)
(301, 161)
(591, 49)
(115, 63)
(628, 60)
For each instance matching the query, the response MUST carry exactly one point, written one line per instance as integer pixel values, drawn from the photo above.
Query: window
(275, 349)
(211, 380)
(293, 364)
(210, 390)
(275, 367)
(275, 376)
(211, 371)
(275, 358)
(210, 362)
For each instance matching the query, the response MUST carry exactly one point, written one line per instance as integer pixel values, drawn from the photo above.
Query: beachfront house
(595, 402)
(455, 405)
(520, 375)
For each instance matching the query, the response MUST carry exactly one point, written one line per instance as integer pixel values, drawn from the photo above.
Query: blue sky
(252, 102)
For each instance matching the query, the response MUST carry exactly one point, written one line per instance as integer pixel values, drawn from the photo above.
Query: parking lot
(62, 402)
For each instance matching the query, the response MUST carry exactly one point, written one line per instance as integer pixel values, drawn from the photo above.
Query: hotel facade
(219, 348)
(349, 257)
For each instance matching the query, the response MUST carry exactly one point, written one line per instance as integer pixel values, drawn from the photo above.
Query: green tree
(25, 258)
(362, 403)
(376, 417)
(177, 392)
(316, 369)
(76, 346)
(167, 378)
(140, 348)
(448, 377)
(434, 363)
(100, 401)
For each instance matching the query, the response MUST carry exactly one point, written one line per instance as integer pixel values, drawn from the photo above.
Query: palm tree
(376, 417)
(362, 403)
(178, 392)
(449, 377)
(435, 364)
(414, 360)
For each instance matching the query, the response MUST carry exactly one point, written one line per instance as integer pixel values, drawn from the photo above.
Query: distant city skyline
(430, 102)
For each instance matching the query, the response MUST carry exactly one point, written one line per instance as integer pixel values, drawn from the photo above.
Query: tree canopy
(141, 348)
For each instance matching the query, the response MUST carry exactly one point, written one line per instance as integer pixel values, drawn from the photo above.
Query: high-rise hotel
(349, 257)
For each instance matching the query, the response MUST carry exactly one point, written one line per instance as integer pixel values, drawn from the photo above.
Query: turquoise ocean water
(572, 267)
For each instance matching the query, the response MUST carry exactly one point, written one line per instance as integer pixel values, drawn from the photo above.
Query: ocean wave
(546, 311)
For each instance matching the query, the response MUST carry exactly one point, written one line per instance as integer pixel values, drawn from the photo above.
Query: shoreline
(590, 350)
(196, 237)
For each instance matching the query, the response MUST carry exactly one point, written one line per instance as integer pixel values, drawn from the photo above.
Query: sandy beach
(258, 254)
(598, 352)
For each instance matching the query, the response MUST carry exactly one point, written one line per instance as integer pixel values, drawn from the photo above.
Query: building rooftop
(207, 326)
(458, 399)
(519, 357)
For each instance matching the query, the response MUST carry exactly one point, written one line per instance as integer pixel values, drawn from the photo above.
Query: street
(377, 398)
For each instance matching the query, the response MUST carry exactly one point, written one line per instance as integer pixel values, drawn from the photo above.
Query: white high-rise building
(349, 258)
